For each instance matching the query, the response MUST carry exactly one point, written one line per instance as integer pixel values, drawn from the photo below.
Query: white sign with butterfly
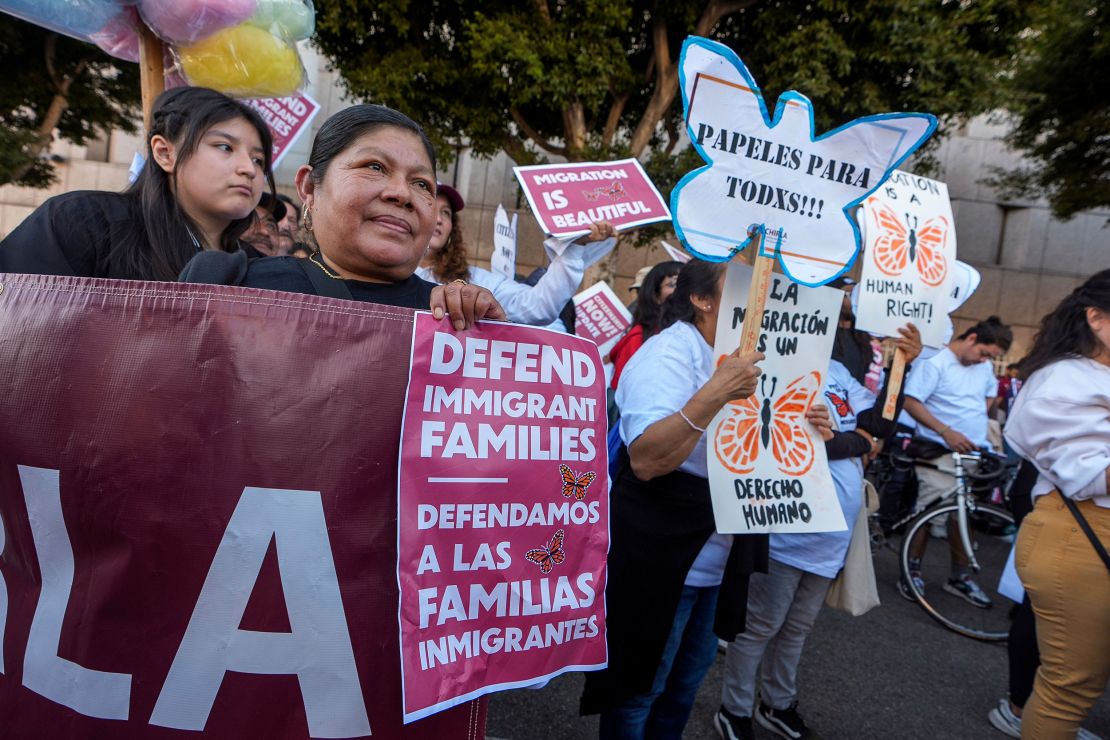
(909, 262)
(767, 466)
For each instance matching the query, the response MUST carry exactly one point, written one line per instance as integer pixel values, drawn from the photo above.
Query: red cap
(452, 196)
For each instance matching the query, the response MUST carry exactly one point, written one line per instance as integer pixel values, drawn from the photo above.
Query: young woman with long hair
(1060, 422)
(207, 164)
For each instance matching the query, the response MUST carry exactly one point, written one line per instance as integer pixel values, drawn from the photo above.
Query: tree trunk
(58, 105)
(574, 123)
(666, 74)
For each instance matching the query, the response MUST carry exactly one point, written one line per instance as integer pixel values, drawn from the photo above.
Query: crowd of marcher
(374, 225)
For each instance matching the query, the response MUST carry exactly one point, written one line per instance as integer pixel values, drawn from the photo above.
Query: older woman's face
(374, 211)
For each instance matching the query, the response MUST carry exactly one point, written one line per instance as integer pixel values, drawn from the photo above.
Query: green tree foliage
(598, 78)
(55, 83)
(1062, 106)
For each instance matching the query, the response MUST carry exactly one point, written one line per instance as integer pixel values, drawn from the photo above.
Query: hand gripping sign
(767, 466)
(908, 267)
(773, 176)
(503, 520)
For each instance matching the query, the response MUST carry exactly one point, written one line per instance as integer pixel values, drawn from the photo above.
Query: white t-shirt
(658, 381)
(956, 394)
(1061, 423)
(823, 553)
(539, 305)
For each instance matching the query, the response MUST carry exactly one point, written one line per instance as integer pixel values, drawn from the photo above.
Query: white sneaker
(1005, 721)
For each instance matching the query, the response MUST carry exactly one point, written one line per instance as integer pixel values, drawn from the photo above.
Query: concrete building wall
(1028, 259)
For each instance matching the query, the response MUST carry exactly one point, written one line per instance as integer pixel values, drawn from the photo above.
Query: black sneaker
(784, 722)
(731, 727)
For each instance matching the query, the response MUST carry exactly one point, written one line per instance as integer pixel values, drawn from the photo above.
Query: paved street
(893, 673)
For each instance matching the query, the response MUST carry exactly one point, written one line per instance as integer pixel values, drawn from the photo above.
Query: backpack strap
(1082, 520)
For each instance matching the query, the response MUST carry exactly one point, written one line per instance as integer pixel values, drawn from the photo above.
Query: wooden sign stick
(757, 296)
(152, 77)
(894, 387)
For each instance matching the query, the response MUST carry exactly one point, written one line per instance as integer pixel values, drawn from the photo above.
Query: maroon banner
(198, 514)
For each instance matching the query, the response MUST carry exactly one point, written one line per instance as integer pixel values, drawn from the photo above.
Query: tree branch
(535, 136)
(574, 123)
(614, 119)
(514, 147)
(544, 11)
(717, 10)
(666, 77)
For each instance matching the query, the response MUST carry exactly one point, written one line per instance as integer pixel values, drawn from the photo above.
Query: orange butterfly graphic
(549, 555)
(840, 404)
(901, 243)
(576, 485)
(778, 425)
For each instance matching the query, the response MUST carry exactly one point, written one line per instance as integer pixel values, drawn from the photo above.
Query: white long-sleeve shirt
(1061, 423)
(539, 305)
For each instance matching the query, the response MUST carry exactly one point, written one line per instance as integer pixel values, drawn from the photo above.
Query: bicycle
(985, 534)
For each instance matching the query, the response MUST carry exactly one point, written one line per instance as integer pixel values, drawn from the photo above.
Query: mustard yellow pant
(1070, 589)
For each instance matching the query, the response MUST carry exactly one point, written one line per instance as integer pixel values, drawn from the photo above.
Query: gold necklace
(329, 273)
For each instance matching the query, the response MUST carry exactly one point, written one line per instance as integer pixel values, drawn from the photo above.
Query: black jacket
(294, 275)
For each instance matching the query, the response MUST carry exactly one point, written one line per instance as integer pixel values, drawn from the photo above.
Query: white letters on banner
(503, 261)
(767, 466)
(90, 692)
(908, 263)
(775, 173)
(318, 647)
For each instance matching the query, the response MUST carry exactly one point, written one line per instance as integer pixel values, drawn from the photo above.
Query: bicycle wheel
(992, 534)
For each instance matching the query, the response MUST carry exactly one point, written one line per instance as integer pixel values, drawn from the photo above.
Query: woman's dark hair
(649, 309)
(156, 246)
(343, 128)
(697, 277)
(450, 262)
(991, 330)
(1064, 332)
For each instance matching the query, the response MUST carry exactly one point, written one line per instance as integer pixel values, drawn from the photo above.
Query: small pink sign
(503, 512)
(286, 118)
(600, 316)
(567, 198)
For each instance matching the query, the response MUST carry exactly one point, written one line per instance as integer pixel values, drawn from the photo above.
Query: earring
(306, 218)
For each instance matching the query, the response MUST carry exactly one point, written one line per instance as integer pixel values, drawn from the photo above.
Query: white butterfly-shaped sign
(773, 174)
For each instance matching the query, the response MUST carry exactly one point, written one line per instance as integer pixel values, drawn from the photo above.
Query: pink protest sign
(503, 512)
(567, 198)
(287, 118)
(600, 316)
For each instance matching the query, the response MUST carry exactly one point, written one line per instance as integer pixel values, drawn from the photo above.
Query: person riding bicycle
(949, 395)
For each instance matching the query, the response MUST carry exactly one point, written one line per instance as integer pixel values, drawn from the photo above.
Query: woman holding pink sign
(446, 262)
